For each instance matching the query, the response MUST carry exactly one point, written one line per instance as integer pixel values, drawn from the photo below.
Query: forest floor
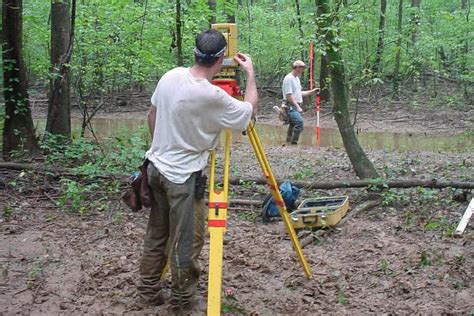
(397, 258)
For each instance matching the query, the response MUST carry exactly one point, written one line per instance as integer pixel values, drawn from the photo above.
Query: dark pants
(295, 126)
(175, 231)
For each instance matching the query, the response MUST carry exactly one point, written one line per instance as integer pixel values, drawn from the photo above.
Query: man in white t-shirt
(293, 97)
(185, 119)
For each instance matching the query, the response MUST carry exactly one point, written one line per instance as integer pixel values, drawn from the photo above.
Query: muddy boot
(152, 295)
(197, 306)
(183, 287)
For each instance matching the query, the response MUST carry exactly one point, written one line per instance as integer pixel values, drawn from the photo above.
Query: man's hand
(245, 63)
(251, 94)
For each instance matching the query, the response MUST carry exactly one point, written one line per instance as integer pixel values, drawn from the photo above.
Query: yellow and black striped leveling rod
(218, 198)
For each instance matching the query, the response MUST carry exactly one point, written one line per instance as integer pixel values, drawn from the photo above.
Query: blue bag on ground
(289, 193)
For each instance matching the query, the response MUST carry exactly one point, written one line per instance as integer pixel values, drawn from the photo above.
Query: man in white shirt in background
(293, 96)
(185, 120)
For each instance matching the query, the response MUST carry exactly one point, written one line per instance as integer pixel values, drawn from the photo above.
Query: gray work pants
(175, 231)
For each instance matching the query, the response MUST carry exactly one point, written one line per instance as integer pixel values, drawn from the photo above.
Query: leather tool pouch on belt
(140, 194)
(200, 188)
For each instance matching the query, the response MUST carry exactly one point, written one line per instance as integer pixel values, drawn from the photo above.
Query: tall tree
(466, 5)
(179, 34)
(381, 34)
(362, 165)
(300, 28)
(396, 70)
(324, 68)
(415, 21)
(62, 37)
(415, 25)
(18, 130)
(324, 79)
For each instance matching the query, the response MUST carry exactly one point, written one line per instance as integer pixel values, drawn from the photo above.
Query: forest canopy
(124, 43)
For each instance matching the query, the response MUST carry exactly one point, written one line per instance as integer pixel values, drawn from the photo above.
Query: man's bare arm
(251, 94)
(308, 92)
(151, 120)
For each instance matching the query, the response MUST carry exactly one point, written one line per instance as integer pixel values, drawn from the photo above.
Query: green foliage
(230, 306)
(341, 298)
(95, 163)
(391, 197)
(122, 43)
(7, 211)
(76, 195)
(384, 266)
(119, 155)
(425, 259)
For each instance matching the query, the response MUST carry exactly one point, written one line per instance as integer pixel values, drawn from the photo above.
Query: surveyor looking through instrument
(185, 120)
(293, 98)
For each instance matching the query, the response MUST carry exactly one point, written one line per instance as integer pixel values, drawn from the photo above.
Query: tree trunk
(18, 130)
(415, 21)
(380, 43)
(212, 7)
(324, 69)
(300, 28)
(324, 80)
(59, 107)
(179, 35)
(415, 24)
(466, 5)
(396, 70)
(362, 165)
(364, 183)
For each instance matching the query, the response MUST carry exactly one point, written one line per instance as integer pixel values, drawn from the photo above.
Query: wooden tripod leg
(267, 171)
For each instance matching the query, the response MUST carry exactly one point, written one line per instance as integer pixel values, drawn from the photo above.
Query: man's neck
(202, 72)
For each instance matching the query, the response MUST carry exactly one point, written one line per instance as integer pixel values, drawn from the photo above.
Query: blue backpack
(289, 193)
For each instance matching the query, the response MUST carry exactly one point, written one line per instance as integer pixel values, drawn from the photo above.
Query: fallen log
(26, 166)
(316, 185)
(360, 208)
(381, 183)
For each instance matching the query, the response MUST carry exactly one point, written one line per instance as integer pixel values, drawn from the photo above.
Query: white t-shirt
(190, 114)
(292, 85)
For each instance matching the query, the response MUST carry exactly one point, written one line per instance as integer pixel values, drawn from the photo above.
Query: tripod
(218, 199)
(217, 220)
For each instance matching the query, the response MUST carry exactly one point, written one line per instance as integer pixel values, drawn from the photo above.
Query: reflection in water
(276, 135)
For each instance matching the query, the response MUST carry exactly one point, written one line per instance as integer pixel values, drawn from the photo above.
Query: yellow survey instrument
(229, 30)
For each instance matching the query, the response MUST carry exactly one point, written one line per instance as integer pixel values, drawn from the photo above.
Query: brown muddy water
(276, 134)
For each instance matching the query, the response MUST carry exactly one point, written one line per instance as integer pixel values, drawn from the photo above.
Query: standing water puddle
(276, 135)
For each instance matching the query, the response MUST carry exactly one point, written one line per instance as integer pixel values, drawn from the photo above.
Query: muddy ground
(398, 258)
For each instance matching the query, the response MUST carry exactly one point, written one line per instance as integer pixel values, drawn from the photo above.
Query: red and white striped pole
(318, 93)
(318, 108)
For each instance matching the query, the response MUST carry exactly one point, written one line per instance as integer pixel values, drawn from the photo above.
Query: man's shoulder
(289, 76)
(175, 72)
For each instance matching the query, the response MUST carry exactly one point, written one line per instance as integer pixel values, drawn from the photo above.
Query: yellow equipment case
(320, 212)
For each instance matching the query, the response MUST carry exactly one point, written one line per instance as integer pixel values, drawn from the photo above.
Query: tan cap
(299, 63)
